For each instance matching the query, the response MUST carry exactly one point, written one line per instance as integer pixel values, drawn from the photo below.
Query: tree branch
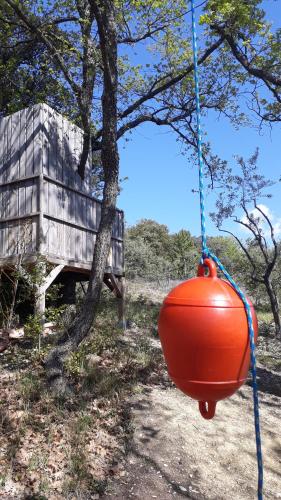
(130, 39)
(52, 49)
(153, 92)
(275, 245)
(260, 73)
(248, 255)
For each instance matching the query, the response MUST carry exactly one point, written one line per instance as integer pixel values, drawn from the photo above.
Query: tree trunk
(274, 306)
(105, 16)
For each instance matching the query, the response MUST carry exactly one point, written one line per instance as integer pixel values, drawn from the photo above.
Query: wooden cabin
(46, 209)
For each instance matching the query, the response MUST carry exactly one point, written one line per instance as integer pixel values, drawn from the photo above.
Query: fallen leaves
(48, 450)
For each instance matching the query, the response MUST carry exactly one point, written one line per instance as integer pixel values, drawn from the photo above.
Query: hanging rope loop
(207, 254)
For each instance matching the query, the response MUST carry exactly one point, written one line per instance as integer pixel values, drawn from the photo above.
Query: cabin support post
(40, 302)
(121, 303)
(117, 286)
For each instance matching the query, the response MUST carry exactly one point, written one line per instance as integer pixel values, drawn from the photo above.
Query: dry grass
(55, 449)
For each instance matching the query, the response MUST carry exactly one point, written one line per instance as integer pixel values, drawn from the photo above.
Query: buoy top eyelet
(210, 265)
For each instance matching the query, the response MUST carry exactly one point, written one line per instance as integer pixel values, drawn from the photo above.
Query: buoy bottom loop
(207, 409)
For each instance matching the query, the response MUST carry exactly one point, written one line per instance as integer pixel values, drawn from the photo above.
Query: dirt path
(176, 453)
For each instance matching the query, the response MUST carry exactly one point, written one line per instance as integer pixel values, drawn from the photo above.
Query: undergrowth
(65, 448)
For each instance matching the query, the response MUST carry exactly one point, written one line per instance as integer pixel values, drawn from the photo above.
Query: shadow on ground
(268, 382)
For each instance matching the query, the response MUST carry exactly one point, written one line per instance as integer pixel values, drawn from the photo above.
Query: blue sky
(161, 178)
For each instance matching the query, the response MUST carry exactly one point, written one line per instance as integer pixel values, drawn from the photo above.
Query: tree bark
(274, 306)
(105, 16)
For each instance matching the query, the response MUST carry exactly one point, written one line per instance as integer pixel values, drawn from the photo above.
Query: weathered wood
(122, 303)
(108, 282)
(18, 217)
(114, 284)
(50, 278)
(39, 156)
(117, 286)
(40, 301)
(40, 304)
(18, 181)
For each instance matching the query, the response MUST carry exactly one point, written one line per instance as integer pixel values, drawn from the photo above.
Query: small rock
(16, 333)
(183, 489)
(49, 324)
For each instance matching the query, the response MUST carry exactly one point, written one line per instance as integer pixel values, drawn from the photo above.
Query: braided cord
(207, 253)
(199, 136)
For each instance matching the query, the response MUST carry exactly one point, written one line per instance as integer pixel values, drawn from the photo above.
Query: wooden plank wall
(38, 145)
(62, 146)
(71, 215)
(71, 221)
(18, 183)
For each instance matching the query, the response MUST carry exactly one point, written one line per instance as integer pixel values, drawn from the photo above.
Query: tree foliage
(154, 235)
(27, 74)
(152, 252)
(55, 45)
(184, 254)
(143, 262)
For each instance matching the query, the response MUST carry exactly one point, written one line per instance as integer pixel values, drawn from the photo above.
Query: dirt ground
(176, 453)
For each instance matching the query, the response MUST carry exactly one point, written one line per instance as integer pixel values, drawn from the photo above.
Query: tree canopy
(52, 52)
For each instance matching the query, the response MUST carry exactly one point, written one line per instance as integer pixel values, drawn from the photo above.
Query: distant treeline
(153, 253)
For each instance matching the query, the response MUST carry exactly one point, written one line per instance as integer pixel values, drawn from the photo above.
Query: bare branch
(248, 255)
(275, 245)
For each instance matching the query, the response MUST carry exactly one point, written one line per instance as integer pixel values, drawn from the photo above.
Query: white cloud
(261, 220)
(266, 210)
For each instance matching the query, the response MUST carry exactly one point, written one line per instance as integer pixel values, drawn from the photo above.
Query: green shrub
(33, 326)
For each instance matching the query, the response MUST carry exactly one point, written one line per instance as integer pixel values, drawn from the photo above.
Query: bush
(33, 326)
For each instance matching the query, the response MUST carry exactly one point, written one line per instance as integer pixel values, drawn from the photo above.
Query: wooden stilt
(40, 302)
(108, 282)
(117, 286)
(121, 303)
(112, 282)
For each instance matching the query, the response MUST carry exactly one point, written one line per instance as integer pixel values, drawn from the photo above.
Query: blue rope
(207, 253)
(199, 137)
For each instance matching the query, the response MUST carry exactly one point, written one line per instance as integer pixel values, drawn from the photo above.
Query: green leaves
(242, 14)
(153, 253)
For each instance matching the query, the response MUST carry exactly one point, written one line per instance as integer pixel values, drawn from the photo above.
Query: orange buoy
(204, 335)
